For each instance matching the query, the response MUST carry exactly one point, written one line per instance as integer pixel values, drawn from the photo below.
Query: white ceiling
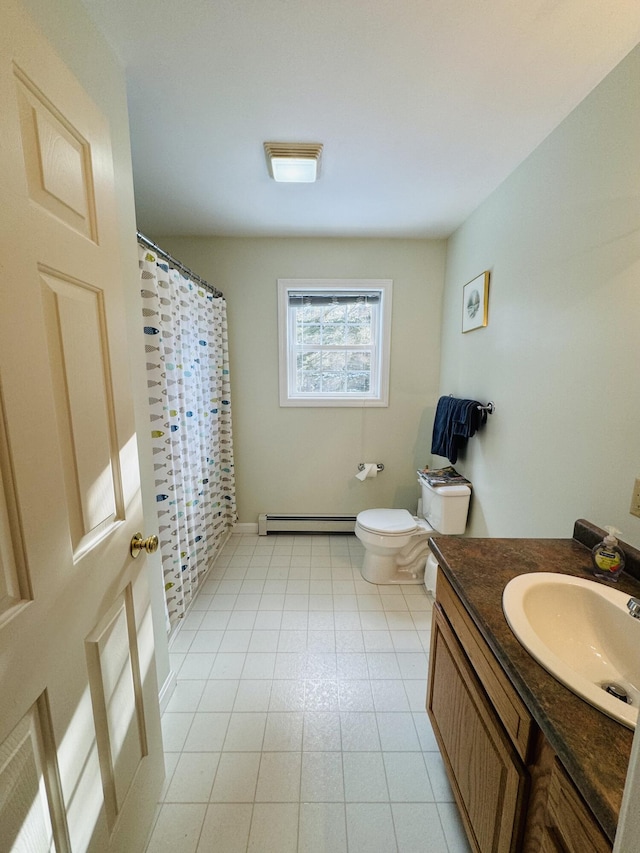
(423, 106)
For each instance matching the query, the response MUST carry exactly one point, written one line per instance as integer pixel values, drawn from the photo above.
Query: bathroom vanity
(532, 766)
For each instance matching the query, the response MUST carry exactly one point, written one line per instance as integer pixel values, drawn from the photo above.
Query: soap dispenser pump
(608, 557)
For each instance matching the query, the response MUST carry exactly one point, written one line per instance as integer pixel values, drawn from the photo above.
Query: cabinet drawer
(487, 777)
(510, 708)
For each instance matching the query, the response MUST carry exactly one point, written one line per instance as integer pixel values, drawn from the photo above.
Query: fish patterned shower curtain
(186, 346)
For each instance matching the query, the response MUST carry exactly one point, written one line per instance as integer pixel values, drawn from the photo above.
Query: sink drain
(617, 691)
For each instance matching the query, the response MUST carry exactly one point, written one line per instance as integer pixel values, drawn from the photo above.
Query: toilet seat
(389, 522)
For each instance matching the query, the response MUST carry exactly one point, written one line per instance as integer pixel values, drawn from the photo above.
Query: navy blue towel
(454, 423)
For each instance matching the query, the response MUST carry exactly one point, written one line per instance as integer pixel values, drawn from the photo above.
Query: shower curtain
(186, 346)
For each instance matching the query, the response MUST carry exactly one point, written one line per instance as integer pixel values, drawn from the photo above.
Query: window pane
(359, 312)
(333, 381)
(309, 360)
(333, 335)
(310, 313)
(308, 382)
(358, 335)
(333, 360)
(335, 313)
(359, 361)
(308, 333)
(358, 382)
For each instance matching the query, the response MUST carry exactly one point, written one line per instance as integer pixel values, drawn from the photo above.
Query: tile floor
(298, 721)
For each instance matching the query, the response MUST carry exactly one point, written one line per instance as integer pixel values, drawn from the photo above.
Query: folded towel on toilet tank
(454, 423)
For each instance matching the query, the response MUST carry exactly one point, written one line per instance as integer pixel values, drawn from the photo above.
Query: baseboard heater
(270, 522)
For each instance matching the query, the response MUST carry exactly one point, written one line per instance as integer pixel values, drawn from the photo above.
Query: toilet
(396, 543)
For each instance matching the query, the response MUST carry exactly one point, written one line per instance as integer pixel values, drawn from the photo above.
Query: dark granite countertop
(593, 748)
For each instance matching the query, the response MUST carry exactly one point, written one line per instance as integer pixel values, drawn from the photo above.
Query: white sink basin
(582, 633)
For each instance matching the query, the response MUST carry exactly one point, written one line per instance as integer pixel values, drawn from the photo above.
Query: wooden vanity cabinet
(513, 794)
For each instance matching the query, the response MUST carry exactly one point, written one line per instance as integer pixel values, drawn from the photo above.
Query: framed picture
(475, 302)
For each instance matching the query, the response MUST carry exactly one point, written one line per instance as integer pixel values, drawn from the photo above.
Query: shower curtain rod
(151, 245)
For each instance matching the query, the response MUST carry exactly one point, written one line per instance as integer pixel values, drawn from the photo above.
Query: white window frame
(378, 395)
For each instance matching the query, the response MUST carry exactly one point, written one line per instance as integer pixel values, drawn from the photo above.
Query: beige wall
(305, 459)
(561, 354)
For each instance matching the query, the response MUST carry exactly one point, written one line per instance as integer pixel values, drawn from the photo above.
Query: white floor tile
(218, 696)
(225, 829)
(418, 828)
(227, 665)
(287, 695)
(264, 641)
(378, 641)
(438, 776)
(268, 620)
(321, 732)
(416, 690)
(274, 828)
(321, 666)
(175, 727)
(370, 828)
(196, 666)
(193, 778)
(323, 828)
(245, 733)
(253, 695)
(364, 778)
(349, 642)
(294, 620)
(235, 641)
(426, 736)
(389, 695)
(321, 620)
(407, 777)
(290, 665)
(177, 828)
(359, 733)
(241, 620)
(186, 696)
(215, 620)
(452, 826)
(236, 778)
(279, 777)
(383, 665)
(355, 695)
(283, 732)
(351, 665)
(397, 732)
(259, 665)
(206, 641)
(322, 779)
(207, 732)
(321, 695)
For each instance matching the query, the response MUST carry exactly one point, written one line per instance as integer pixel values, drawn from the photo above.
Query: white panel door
(80, 748)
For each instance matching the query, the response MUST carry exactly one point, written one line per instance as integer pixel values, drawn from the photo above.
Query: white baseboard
(246, 527)
(166, 691)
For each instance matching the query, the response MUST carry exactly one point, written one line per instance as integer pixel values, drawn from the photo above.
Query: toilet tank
(446, 508)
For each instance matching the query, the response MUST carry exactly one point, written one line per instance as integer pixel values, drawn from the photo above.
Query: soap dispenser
(607, 557)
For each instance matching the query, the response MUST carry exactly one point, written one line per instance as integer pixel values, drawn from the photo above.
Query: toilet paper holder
(379, 466)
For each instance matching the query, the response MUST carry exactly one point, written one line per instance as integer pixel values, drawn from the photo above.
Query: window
(334, 342)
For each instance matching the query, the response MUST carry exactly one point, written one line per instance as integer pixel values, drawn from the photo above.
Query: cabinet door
(568, 818)
(487, 777)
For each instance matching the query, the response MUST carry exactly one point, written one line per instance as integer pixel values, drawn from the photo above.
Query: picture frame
(475, 303)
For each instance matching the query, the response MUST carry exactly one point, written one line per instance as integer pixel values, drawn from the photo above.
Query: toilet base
(383, 570)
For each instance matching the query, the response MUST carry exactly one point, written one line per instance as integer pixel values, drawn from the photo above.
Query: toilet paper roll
(370, 470)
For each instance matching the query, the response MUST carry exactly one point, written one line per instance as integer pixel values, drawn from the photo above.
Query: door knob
(150, 544)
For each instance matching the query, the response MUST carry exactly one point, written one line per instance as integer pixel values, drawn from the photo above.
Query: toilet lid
(387, 521)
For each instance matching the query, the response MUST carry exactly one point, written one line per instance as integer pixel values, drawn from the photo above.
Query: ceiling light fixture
(293, 162)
